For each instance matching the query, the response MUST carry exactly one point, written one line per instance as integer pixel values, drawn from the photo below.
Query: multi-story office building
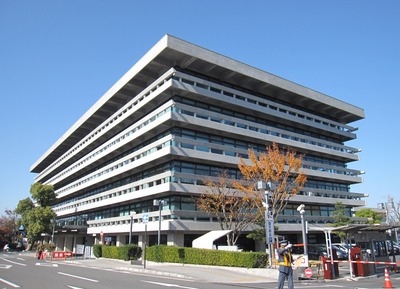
(181, 114)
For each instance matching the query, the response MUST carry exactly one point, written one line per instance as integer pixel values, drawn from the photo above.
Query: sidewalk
(212, 274)
(185, 271)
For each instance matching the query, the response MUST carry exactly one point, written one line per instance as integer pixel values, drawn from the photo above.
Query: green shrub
(171, 254)
(130, 252)
(126, 252)
(111, 252)
(97, 250)
(49, 247)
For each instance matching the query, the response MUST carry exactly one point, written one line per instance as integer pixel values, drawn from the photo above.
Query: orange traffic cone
(388, 283)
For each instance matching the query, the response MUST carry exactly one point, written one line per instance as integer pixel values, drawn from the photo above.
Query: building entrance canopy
(207, 240)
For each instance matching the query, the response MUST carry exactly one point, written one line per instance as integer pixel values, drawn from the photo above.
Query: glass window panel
(216, 151)
(201, 85)
(187, 146)
(202, 148)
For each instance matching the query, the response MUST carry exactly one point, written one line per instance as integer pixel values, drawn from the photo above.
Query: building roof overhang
(354, 228)
(173, 52)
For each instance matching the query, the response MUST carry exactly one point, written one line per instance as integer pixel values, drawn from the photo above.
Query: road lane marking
(79, 277)
(307, 285)
(16, 263)
(73, 287)
(168, 285)
(46, 265)
(9, 283)
(4, 266)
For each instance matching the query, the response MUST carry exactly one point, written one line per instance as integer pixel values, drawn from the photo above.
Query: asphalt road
(24, 271)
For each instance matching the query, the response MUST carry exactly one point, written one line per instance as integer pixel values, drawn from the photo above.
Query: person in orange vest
(285, 260)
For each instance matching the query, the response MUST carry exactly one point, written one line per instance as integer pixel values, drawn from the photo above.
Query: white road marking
(79, 277)
(46, 265)
(16, 263)
(9, 283)
(168, 285)
(73, 287)
(308, 285)
(4, 266)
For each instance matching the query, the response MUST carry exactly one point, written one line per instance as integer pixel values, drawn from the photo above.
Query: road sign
(269, 229)
(308, 272)
(145, 218)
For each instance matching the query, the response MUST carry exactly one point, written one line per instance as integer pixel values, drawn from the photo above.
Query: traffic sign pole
(145, 220)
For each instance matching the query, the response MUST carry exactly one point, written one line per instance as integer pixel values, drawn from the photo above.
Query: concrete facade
(180, 114)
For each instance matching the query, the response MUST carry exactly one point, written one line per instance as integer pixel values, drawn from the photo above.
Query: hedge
(172, 254)
(126, 252)
(97, 252)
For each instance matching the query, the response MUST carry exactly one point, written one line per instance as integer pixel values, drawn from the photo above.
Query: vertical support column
(118, 241)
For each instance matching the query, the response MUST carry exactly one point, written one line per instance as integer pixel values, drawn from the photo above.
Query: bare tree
(8, 226)
(234, 210)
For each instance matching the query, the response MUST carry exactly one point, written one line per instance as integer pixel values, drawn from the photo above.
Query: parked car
(341, 253)
(315, 251)
(343, 246)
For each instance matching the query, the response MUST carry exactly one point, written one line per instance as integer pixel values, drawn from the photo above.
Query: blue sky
(57, 58)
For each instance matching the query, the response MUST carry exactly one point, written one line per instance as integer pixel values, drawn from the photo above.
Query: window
(216, 151)
(188, 204)
(188, 168)
(228, 93)
(187, 146)
(186, 112)
(201, 85)
(213, 89)
(202, 148)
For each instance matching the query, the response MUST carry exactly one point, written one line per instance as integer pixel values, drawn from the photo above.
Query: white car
(340, 246)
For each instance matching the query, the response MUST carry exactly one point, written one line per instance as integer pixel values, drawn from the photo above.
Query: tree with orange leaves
(234, 210)
(280, 167)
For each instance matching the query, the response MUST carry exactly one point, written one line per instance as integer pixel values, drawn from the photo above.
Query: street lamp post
(159, 203)
(53, 221)
(130, 230)
(301, 210)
